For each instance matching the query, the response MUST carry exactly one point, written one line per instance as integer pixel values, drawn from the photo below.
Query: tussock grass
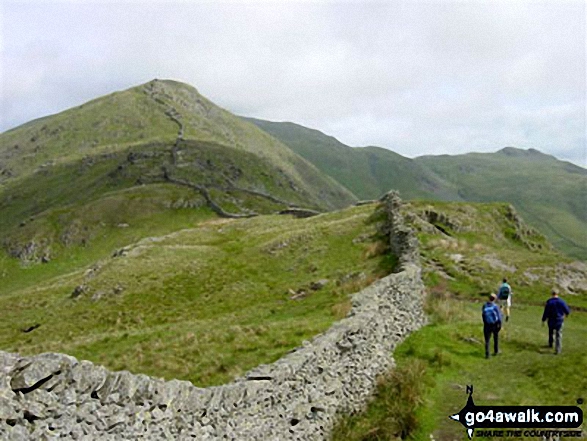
(440, 304)
(393, 413)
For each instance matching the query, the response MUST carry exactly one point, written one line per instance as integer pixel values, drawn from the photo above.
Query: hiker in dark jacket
(555, 311)
(491, 324)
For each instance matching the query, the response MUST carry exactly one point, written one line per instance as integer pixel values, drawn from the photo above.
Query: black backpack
(504, 292)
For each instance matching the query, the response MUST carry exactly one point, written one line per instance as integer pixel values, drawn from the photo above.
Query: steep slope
(109, 124)
(163, 134)
(368, 172)
(158, 111)
(550, 194)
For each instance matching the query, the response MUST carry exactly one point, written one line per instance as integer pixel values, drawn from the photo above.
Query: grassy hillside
(466, 249)
(205, 299)
(64, 178)
(437, 363)
(104, 125)
(113, 251)
(204, 303)
(550, 194)
(369, 172)
(161, 111)
(71, 204)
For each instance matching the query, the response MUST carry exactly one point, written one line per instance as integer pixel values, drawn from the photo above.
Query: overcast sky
(415, 77)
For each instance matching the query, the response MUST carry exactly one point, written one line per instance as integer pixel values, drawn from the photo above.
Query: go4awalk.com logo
(514, 419)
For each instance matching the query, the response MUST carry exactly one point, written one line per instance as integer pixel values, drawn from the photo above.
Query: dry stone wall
(298, 397)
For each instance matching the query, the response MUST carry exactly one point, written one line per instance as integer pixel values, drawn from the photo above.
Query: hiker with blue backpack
(491, 324)
(504, 294)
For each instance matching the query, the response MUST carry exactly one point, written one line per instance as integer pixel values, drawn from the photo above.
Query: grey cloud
(416, 77)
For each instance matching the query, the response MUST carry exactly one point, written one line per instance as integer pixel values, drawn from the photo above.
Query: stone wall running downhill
(298, 397)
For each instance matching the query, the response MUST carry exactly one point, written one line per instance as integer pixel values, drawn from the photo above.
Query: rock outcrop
(298, 397)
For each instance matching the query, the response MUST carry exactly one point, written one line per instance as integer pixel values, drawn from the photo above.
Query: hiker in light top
(491, 324)
(504, 294)
(555, 311)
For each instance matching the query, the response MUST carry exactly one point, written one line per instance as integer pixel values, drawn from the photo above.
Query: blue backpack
(490, 314)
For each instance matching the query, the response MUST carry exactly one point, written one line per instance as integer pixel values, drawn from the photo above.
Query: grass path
(525, 373)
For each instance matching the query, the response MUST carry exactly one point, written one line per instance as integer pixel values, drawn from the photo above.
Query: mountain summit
(161, 111)
(162, 140)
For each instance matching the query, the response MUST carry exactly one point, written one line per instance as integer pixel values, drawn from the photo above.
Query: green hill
(368, 172)
(113, 250)
(162, 142)
(211, 298)
(550, 194)
(160, 111)
(205, 302)
(466, 249)
(205, 299)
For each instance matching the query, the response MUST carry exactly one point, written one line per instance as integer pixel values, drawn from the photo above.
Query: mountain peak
(169, 86)
(529, 153)
(169, 82)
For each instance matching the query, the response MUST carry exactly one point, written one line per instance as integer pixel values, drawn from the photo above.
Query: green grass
(550, 194)
(202, 304)
(449, 353)
(132, 120)
(394, 411)
(368, 172)
(526, 373)
(78, 203)
(102, 238)
(450, 356)
(486, 246)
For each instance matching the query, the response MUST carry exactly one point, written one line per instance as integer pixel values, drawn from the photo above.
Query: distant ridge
(368, 172)
(549, 193)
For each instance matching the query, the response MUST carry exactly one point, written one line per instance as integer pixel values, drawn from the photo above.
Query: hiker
(504, 294)
(555, 310)
(491, 324)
